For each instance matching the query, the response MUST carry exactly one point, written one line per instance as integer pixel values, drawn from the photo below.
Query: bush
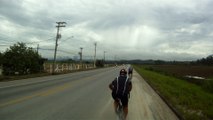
(1, 58)
(20, 59)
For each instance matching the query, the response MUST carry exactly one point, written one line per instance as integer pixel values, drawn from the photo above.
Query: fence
(66, 67)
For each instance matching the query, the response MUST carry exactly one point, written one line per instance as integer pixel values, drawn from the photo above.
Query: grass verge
(191, 101)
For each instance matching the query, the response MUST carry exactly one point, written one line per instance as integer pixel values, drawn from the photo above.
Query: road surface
(77, 96)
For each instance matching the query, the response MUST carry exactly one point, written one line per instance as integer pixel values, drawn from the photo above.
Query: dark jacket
(121, 85)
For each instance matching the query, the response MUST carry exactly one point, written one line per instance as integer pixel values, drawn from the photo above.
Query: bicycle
(120, 111)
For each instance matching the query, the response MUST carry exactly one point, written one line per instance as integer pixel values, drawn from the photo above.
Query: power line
(63, 51)
(65, 40)
(46, 49)
(67, 52)
(36, 42)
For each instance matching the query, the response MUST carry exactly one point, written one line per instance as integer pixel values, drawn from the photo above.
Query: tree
(1, 58)
(206, 61)
(21, 59)
(209, 60)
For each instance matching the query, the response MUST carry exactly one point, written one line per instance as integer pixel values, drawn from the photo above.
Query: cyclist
(121, 87)
(130, 71)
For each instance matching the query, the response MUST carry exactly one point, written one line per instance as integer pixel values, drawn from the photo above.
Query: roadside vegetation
(204, 72)
(20, 61)
(191, 100)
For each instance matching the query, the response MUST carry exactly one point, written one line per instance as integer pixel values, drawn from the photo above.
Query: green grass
(190, 100)
(180, 71)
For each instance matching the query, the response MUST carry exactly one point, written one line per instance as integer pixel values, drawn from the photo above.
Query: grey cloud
(13, 11)
(136, 29)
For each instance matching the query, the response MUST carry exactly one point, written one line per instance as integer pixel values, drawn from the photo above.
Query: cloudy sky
(125, 29)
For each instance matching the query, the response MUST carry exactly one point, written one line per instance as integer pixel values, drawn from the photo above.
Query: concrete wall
(66, 67)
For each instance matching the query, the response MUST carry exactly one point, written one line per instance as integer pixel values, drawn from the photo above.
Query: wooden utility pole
(104, 56)
(80, 53)
(95, 55)
(37, 47)
(58, 36)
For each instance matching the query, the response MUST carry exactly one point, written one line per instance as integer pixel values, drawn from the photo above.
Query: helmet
(123, 72)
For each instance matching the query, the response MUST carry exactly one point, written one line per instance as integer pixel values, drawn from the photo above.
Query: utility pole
(104, 56)
(80, 53)
(95, 55)
(58, 36)
(115, 59)
(37, 47)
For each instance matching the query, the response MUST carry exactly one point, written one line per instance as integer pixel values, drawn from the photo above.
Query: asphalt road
(77, 96)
